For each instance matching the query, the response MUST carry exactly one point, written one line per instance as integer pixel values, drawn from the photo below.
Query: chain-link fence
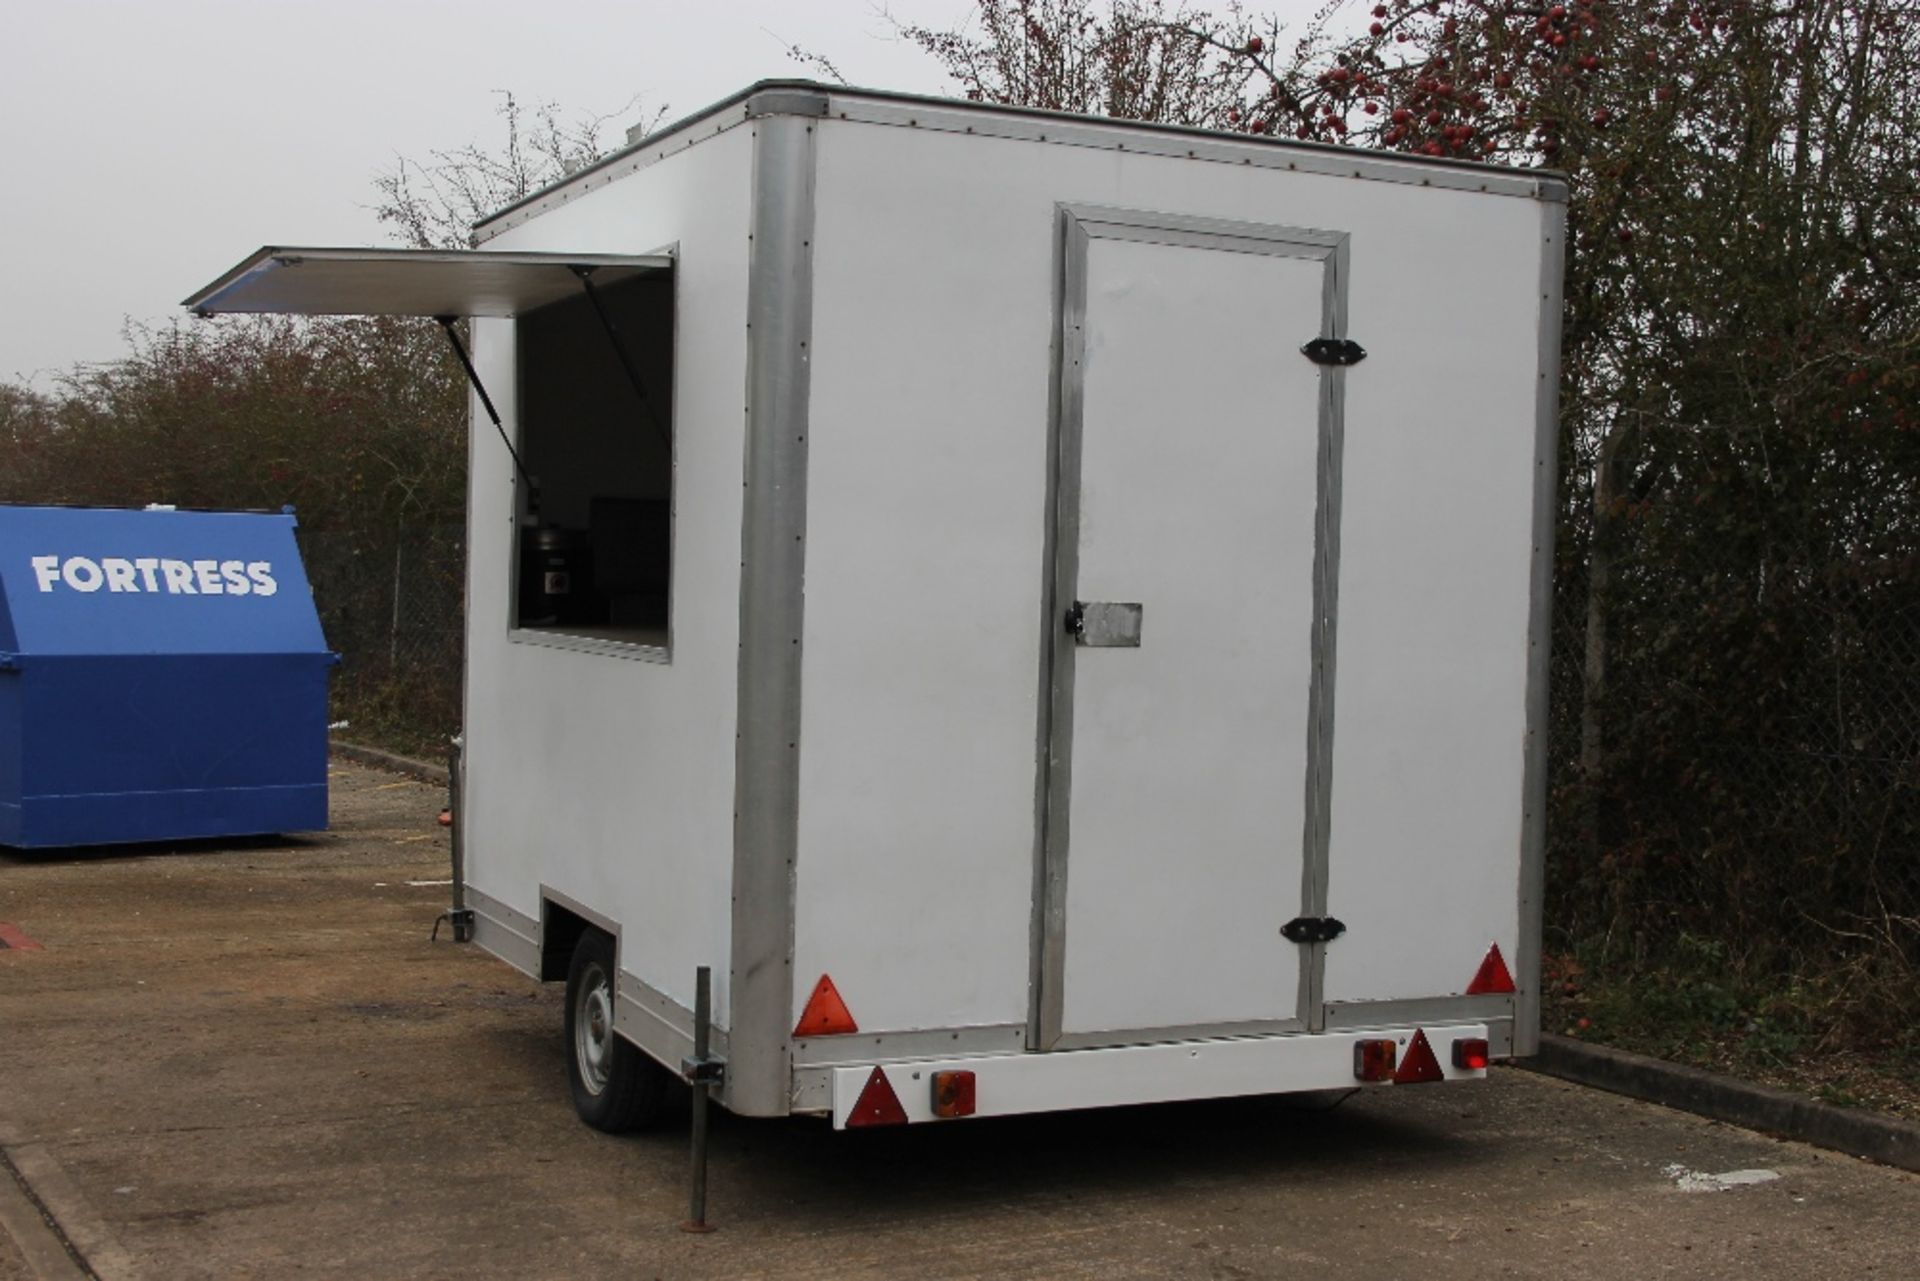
(1735, 741)
(392, 605)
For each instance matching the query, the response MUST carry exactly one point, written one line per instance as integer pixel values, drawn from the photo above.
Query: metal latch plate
(703, 1071)
(1100, 624)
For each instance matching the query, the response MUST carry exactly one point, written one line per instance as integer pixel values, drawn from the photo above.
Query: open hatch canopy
(412, 282)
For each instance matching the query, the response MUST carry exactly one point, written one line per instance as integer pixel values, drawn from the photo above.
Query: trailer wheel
(616, 1087)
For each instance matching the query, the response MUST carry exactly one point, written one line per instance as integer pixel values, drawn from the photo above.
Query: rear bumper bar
(1063, 1080)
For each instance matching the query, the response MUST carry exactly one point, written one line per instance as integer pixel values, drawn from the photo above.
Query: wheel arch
(562, 921)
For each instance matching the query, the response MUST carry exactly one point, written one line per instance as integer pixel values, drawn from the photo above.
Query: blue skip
(162, 676)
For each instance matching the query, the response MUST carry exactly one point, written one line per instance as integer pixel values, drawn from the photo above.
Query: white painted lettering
(119, 574)
(82, 574)
(122, 574)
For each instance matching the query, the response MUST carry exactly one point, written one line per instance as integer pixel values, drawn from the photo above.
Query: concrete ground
(247, 1060)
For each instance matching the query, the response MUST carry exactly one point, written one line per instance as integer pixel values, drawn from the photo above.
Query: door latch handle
(1103, 624)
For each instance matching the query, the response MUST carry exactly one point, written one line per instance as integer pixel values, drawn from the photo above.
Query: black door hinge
(1313, 929)
(1334, 351)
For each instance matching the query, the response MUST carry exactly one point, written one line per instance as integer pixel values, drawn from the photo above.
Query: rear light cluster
(1378, 1059)
(954, 1095)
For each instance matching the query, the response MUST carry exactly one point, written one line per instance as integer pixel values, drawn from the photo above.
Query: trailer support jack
(703, 1072)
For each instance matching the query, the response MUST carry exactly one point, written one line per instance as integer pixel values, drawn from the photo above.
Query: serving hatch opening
(590, 432)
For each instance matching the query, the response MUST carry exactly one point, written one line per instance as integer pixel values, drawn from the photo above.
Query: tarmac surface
(248, 1061)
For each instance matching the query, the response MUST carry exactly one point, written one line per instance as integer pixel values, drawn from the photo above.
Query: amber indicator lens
(953, 1093)
(1374, 1060)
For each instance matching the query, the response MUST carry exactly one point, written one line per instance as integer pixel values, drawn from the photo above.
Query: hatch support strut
(473, 376)
(620, 350)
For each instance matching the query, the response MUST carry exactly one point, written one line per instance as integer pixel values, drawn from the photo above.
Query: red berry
(1379, 11)
(1371, 108)
(1376, 30)
(1504, 80)
(1401, 115)
(1255, 44)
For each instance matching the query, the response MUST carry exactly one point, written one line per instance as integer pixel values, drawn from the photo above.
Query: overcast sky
(150, 144)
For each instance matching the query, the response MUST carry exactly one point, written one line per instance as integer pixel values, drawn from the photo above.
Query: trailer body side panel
(607, 777)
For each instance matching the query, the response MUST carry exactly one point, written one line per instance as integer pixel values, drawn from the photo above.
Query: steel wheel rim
(593, 1030)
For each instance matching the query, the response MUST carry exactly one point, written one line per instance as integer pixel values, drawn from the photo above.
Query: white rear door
(1185, 799)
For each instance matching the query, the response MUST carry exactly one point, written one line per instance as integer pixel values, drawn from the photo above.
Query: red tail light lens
(1470, 1054)
(953, 1093)
(1374, 1060)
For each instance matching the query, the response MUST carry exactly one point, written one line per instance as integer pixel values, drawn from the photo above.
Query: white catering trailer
(1050, 611)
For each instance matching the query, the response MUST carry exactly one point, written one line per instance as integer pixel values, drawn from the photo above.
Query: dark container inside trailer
(162, 676)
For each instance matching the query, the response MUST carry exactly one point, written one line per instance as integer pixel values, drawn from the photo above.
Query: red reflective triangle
(879, 1105)
(1493, 976)
(1419, 1063)
(826, 1014)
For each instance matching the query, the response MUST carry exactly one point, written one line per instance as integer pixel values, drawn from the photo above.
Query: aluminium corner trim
(1188, 143)
(658, 1024)
(1546, 477)
(1078, 227)
(758, 101)
(1348, 1015)
(915, 1043)
(773, 563)
(512, 936)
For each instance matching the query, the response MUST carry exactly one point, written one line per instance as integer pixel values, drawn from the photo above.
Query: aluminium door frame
(1077, 227)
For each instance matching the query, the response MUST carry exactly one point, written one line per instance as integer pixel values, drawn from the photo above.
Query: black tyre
(615, 1086)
